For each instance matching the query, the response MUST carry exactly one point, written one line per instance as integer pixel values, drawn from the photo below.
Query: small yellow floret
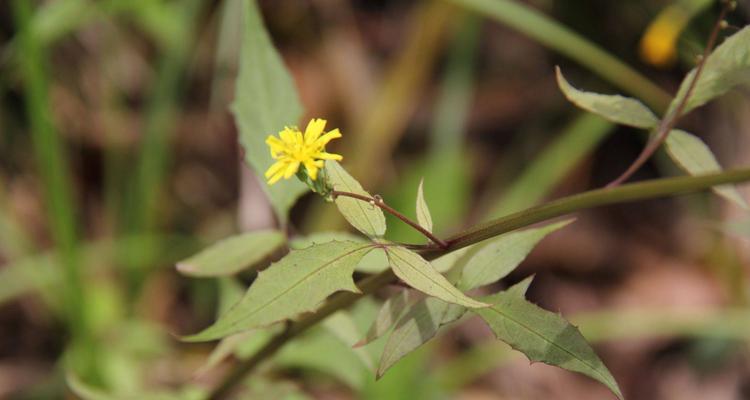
(658, 46)
(293, 149)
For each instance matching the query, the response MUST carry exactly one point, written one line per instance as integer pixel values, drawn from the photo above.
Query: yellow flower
(658, 46)
(294, 149)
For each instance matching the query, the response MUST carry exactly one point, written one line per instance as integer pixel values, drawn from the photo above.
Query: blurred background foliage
(119, 157)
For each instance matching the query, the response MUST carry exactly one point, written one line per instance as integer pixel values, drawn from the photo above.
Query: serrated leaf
(372, 263)
(233, 254)
(301, 242)
(423, 212)
(415, 328)
(419, 274)
(366, 218)
(693, 156)
(725, 68)
(342, 326)
(390, 312)
(295, 284)
(615, 108)
(543, 336)
(502, 255)
(265, 101)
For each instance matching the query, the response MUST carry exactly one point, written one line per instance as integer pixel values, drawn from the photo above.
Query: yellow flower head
(658, 46)
(293, 149)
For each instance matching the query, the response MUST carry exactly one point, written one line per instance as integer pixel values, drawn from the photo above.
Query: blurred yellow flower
(292, 149)
(658, 46)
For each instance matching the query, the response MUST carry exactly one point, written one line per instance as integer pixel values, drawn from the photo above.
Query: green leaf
(502, 255)
(693, 156)
(520, 288)
(342, 326)
(233, 254)
(419, 325)
(616, 108)
(297, 283)
(266, 101)
(449, 261)
(320, 350)
(390, 312)
(543, 336)
(725, 68)
(366, 218)
(372, 263)
(419, 274)
(230, 293)
(423, 212)
(88, 392)
(224, 349)
(301, 242)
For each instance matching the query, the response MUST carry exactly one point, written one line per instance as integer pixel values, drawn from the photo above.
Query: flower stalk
(378, 201)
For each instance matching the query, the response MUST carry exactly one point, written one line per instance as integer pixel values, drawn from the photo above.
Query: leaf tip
(185, 268)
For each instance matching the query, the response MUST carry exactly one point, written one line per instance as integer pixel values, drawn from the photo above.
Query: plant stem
(378, 201)
(666, 125)
(563, 206)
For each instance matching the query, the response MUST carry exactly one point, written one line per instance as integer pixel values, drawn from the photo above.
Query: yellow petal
(276, 146)
(276, 177)
(291, 169)
(328, 156)
(312, 169)
(288, 136)
(276, 167)
(314, 129)
(323, 140)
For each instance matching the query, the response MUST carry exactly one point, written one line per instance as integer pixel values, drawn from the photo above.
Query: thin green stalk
(150, 171)
(558, 37)
(557, 208)
(52, 164)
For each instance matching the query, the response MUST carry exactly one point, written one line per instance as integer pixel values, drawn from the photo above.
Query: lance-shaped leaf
(693, 156)
(725, 68)
(295, 284)
(422, 322)
(265, 101)
(342, 326)
(416, 327)
(419, 274)
(616, 108)
(301, 242)
(502, 255)
(366, 218)
(423, 212)
(233, 254)
(543, 336)
(390, 312)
